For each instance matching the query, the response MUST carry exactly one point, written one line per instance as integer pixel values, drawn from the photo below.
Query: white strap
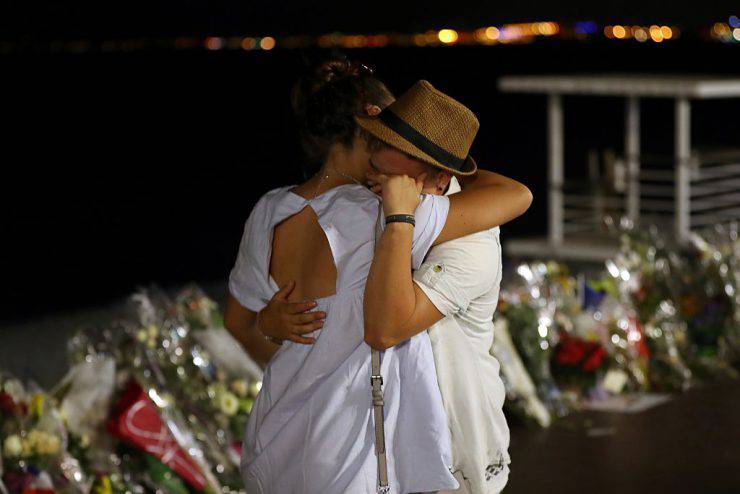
(376, 382)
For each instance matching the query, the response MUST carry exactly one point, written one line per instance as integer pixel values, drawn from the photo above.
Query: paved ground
(688, 445)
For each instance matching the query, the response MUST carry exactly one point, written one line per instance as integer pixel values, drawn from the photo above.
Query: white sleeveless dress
(311, 426)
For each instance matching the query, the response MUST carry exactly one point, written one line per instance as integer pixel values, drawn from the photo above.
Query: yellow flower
(240, 387)
(104, 486)
(43, 443)
(27, 448)
(37, 404)
(50, 445)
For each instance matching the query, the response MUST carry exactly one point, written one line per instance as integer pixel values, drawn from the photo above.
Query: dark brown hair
(327, 98)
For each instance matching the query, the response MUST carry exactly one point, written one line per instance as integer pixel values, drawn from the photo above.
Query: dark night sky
(123, 18)
(140, 167)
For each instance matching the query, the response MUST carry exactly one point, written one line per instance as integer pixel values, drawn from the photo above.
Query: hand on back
(282, 320)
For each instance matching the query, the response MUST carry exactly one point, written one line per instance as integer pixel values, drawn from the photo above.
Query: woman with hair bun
(300, 276)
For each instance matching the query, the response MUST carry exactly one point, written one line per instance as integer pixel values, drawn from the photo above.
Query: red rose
(594, 360)
(570, 351)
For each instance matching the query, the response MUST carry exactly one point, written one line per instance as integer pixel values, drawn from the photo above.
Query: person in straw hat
(425, 137)
(299, 280)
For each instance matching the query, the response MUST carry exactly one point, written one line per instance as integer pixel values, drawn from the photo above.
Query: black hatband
(402, 128)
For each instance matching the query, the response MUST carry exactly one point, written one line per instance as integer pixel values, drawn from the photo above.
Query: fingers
(309, 328)
(286, 289)
(308, 317)
(300, 307)
(297, 334)
(377, 189)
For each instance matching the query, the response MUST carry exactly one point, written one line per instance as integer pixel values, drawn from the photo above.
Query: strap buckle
(374, 377)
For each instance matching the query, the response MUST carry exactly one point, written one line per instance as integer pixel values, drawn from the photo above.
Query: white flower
(15, 389)
(228, 403)
(13, 446)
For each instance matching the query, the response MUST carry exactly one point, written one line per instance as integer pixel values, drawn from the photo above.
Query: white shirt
(462, 278)
(311, 428)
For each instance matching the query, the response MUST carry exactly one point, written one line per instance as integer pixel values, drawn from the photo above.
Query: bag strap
(376, 383)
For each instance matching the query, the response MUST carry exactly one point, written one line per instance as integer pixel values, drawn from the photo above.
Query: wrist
(400, 227)
(400, 218)
(398, 210)
(258, 325)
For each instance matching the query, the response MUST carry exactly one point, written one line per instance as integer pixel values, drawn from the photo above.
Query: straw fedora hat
(428, 125)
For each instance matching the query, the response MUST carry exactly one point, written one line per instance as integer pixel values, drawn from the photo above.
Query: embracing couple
(368, 292)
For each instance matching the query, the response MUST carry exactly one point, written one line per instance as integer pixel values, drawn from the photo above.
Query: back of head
(327, 98)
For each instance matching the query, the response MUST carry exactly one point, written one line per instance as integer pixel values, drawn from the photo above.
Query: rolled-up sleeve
(459, 271)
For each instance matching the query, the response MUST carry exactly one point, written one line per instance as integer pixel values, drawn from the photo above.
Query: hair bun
(338, 69)
(327, 99)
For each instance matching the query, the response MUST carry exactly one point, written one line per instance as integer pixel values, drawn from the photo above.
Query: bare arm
(392, 315)
(279, 319)
(242, 324)
(395, 307)
(487, 200)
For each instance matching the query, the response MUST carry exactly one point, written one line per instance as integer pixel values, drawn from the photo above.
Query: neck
(345, 165)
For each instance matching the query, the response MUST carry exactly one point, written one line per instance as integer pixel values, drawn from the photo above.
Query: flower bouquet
(530, 308)
(34, 458)
(578, 364)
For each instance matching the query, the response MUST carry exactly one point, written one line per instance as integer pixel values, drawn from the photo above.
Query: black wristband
(402, 218)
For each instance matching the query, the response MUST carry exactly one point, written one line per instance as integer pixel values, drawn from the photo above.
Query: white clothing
(462, 277)
(311, 427)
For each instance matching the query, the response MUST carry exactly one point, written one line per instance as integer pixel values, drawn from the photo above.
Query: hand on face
(401, 193)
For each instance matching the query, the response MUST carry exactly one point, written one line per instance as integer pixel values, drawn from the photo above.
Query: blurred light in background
(640, 33)
(448, 36)
(214, 43)
(249, 43)
(726, 32)
(588, 27)
(723, 32)
(656, 33)
(267, 43)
